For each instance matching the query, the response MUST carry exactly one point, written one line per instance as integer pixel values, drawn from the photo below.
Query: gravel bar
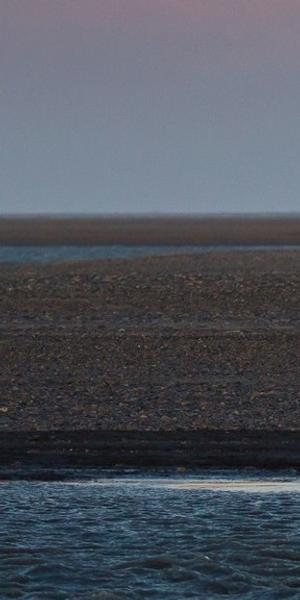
(158, 348)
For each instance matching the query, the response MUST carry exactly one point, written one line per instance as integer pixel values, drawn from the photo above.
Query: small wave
(161, 537)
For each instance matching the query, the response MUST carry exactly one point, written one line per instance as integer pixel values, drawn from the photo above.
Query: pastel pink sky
(91, 9)
(146, 105)
(245, 15)
(255, 29)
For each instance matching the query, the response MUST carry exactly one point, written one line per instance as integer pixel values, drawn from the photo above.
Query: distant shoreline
(150, 230)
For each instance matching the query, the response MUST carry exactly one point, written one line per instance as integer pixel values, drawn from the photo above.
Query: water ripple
(160, 539)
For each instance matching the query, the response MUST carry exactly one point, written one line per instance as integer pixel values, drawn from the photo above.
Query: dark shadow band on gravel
(41, 455)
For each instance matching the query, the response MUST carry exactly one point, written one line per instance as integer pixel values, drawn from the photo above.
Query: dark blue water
(24, 254)
(207, 537)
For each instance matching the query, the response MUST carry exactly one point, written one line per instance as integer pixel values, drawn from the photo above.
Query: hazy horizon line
(150, 215)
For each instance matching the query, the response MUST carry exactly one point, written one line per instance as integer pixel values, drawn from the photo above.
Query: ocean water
(23, 254)
(208, 536)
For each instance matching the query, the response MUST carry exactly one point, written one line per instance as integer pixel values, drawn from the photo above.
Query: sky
(149, 106)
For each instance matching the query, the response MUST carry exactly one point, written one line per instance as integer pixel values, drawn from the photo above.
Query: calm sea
(24, 254)
(211, 536)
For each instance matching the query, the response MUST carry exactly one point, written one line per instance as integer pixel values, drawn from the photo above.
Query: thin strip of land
(149, 230)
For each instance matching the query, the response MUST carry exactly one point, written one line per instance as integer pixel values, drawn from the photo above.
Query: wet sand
(59, 454)
(151, 361)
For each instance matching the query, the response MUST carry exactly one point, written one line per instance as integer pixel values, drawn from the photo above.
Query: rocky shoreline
(165, 346)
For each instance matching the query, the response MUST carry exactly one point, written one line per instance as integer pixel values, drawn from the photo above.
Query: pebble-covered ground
(167, 343)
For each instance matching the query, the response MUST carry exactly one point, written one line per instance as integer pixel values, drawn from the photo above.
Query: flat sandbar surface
(170, 344)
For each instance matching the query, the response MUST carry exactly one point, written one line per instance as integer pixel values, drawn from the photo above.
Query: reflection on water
(170, 538)
(24, 254)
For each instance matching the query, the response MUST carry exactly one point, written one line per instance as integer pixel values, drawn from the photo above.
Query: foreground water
(208, 536)
(23, 254)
